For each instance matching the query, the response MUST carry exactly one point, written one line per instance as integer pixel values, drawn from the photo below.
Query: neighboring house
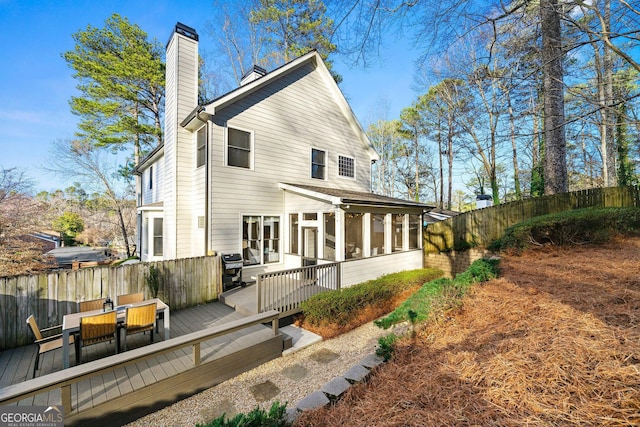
(48, 240)
(67, 257)
(438, 214)
(278, 170)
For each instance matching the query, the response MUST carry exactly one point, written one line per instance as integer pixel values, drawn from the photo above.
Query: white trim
(281, 238)
(310, 193)
(354, 167)
(226, 147)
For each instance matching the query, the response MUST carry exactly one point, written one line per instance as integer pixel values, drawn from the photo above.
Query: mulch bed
(554, 341)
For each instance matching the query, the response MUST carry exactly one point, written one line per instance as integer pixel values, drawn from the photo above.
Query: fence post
(258, 293)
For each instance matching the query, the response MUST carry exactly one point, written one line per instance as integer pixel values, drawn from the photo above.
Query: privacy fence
(182, 283)
(482, 226)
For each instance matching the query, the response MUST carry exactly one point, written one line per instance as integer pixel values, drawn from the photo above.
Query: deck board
(16, 364)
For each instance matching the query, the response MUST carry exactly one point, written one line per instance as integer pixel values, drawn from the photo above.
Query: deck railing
(64, 379)
(285, 290)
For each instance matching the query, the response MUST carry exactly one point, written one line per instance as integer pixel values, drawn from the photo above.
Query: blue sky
(36, 83)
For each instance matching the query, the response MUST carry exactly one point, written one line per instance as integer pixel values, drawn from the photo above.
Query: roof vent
(254, 73)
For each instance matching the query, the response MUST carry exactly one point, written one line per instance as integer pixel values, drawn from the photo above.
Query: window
(346, 167)
(157, 237)
(201, 146)
(238, 148)
(260, 239)
(377, 234)
(310, 216)
(414, 231)
(151, 178)
(329, 236)
(318, 163)
(271, 244)
(398, 232)
(353, 235)
(293, 234)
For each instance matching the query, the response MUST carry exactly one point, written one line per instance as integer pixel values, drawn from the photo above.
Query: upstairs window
(346, 166)
(201, 146)
(151, 178)
(318, 163)
(238, 148)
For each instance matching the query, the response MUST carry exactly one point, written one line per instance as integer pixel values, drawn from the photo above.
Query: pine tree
(121, 81)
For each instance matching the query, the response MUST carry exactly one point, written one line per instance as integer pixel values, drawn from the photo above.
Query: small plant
(413, 318)
(153, 281)
(258, 417)
(386, 346)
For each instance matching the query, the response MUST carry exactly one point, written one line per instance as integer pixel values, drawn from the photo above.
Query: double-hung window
(260, 239)
(318, 163)
(201, 146)
(238, 148)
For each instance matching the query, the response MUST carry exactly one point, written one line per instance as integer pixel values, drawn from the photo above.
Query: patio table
(71, 324)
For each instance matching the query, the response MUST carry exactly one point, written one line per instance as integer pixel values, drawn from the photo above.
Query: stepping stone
(295, 372)
(264, 391)
(217, 409)
(356, 374)
(324, 356)
(336, 387)
(371, 361)
(317, 399)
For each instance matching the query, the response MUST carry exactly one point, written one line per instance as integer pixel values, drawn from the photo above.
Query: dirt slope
(554, 341)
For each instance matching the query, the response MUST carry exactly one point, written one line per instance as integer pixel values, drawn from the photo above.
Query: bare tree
(19, 217)
(98, 173)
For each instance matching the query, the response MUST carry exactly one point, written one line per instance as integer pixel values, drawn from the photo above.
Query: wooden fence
(49, 296)
(482, 226)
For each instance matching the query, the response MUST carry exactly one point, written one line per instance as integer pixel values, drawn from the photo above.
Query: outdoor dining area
(113, 380)
(100, 321)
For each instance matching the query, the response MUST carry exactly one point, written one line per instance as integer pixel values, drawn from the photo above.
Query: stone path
(310, 374)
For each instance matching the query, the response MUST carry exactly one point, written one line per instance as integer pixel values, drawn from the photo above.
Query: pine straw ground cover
(554, 341)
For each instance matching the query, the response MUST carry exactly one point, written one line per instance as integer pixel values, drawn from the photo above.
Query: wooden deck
(16, 365)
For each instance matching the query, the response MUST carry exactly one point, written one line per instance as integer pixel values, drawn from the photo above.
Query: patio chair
(129, 298)
(97, 328)
(94, 304)
(46, 344)
(141, 318)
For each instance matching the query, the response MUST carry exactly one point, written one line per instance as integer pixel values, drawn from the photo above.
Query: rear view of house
(278, 170)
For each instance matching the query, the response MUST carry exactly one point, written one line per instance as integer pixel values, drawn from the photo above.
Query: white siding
(155, 194)
(361, 270)
(181, 99)
(287, 118)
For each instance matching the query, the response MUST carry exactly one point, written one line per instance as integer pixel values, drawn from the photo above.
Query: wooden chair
(141, 318)
(97, 328)
(94, 304)
(46, 344)
(129, 298)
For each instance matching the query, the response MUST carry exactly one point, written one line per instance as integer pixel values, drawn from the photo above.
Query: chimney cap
(186, 31)
(255, 69)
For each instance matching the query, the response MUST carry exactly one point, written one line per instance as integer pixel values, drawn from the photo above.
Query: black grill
(231, 271)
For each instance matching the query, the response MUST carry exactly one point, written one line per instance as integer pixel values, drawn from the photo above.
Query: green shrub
(386, 346)
(439, 293)
(342, 306)
(258, 417)
(590, 225)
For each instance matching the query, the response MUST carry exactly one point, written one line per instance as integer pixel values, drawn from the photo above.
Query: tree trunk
(514, 148)
(555, 160)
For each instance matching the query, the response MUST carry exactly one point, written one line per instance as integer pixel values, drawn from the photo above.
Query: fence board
(482, 226)
(49, 296)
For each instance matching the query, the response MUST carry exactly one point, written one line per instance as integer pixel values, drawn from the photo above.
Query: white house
(278, 170)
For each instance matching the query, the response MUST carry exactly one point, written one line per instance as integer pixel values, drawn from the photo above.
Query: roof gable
(195, 119)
